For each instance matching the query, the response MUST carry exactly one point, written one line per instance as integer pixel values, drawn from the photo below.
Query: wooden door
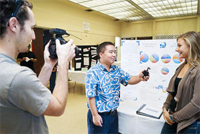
(38, 49)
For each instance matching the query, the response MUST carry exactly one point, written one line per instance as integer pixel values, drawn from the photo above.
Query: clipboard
(149, 111)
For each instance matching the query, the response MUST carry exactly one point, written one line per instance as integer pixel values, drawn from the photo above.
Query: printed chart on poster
(160, 56)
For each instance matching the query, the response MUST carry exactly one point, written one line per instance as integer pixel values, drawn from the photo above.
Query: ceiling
(134, 10)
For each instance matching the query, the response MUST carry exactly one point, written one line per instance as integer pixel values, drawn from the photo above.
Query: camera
(57, 34)
(146, 73)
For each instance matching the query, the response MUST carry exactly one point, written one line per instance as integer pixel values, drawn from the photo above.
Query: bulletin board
(160, 56)
(86, 58)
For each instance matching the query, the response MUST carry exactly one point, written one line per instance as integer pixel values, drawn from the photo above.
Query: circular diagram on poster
(154, 58)
(166, 58)
(144, 58)
(164, 71)
(176, 59)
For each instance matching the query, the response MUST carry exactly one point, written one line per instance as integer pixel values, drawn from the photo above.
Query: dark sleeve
(32, 55)
(19, 56)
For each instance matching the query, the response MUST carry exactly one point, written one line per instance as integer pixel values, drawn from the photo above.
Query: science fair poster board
(160, 56)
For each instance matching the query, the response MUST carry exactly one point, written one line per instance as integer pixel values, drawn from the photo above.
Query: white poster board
(160, 56)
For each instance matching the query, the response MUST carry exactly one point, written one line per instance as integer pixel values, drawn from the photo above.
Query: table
(77, 82)
(132, 123)
(77, 76)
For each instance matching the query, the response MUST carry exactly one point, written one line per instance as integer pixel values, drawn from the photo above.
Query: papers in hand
(27, 59)
(149, 111)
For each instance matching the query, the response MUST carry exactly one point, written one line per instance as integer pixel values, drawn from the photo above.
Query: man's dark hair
(13, 8)
(102, 47)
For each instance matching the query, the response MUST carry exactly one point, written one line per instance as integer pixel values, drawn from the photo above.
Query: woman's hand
(166, 117)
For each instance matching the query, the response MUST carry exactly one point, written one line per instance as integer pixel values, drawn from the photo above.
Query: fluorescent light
(130, 10)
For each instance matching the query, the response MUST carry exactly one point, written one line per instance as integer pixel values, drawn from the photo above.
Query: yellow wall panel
(175, 26)
(68, 16)
(137, 29)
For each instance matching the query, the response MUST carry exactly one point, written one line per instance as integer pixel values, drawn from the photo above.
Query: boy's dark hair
(13, 8)
(102, 46)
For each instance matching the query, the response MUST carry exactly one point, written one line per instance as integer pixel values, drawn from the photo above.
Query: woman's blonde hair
(192, 39)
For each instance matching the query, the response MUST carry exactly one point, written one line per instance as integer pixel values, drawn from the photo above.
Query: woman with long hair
(181, 109)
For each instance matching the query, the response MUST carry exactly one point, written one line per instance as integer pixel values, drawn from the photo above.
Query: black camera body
(57, 34)
(146, 73)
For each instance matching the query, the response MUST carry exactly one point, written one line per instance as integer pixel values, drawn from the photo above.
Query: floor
(74, 120)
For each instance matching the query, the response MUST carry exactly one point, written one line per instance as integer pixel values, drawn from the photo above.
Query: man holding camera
(24, 98)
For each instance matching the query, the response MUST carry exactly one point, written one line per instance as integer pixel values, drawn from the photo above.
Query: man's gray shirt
(23, 99)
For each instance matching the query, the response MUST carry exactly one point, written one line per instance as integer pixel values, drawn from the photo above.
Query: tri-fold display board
(161, 57)
(86, 58)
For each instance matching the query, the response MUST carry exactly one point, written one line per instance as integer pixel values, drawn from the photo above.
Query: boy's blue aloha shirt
(105, 85)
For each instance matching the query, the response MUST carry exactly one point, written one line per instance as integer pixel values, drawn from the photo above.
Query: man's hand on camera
(48, 60)
(65, 52)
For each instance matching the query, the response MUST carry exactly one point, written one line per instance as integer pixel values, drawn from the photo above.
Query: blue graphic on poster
(166, 58)
(160, 87)
(144, 58)
(163, 45)
(176, 59)
(154, 58)
(164, 71)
